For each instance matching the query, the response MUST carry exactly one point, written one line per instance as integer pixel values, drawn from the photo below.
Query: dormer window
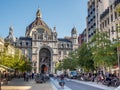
(20, 43)
(26, 43)
(68, 45)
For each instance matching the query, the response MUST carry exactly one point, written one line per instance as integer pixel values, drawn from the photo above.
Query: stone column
(38, 66)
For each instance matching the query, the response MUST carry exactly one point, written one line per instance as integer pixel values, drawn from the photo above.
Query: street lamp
(118, 55)
(117, 9)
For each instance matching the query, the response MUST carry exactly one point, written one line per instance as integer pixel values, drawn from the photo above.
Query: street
(71, 84)
(78, 86)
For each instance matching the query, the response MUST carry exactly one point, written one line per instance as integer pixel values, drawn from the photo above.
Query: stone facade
(110, 20)
(43, 47)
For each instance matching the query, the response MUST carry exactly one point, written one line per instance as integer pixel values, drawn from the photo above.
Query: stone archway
(44, 68)
(44, 60)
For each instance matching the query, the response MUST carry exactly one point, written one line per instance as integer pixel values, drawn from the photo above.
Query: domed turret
(37, 24)
(10, 38)
(74, 31)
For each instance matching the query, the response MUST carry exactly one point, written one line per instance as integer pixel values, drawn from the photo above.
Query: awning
(2, 67)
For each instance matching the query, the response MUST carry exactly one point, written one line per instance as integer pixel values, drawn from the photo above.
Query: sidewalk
(94, 84)
(20, 84)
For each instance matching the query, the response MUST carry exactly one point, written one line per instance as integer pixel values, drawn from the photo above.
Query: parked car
(73, 74)
(39, 78)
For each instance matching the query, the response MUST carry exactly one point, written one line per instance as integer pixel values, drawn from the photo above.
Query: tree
(103, 50)
(117, 8)
(69, 62)
(16, 61)
(85, 57)
(26, 64)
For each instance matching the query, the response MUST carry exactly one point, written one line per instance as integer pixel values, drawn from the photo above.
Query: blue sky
(64, 14)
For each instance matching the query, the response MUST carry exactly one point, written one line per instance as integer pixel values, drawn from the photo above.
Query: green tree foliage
(85, 57)
(69, 62)
(103, 50)
(16, 61)
(118, 8)
(59, 66)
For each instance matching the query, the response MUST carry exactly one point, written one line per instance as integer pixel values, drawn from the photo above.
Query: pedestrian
(62, 82)
(32, 75)
(27, 76)
(24, 74)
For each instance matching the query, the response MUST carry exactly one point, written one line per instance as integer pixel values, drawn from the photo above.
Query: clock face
(40, 30)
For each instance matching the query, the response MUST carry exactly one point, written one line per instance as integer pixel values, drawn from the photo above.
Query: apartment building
(102, 16)
(110, 19)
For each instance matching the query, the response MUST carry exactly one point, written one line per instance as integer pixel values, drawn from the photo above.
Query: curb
(95, 85)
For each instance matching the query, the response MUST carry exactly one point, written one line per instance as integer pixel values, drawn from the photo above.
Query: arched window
(35, 36)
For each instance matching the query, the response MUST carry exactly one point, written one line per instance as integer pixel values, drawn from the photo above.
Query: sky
(63, 14)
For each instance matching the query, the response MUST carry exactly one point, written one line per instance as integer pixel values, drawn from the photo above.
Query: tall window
(112, 30)
(108, 21)
(111, 17)
(26, 43)
(68, 45)
(20, 43)
(35, 36)
(105, 23)
(115, 15)
(111, 7)
(59, 52)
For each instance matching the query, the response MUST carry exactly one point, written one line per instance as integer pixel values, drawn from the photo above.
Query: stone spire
(11, 30)
(38, 14)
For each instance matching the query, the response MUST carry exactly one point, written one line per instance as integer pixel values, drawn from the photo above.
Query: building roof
(64, 40)
(37, 22)
(25, 38)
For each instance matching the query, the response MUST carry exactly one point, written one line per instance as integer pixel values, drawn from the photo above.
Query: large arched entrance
(44, 60)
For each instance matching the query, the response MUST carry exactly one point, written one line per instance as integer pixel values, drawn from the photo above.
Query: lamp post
(118, 55)
(117, 9)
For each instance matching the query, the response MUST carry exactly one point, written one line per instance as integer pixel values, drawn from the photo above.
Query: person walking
(24, 75)
(62, 82)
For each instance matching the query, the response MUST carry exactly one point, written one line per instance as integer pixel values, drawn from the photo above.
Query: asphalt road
(78, 86)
